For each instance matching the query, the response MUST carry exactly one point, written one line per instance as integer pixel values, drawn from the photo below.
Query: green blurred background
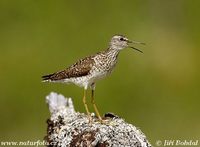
(158, 91)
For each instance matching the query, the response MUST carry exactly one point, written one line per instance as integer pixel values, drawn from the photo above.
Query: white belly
(86, 81)
(97, 72)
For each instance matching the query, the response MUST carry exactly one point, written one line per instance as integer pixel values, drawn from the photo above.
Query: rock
(66, 127)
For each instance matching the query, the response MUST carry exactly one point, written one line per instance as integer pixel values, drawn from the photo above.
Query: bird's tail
(47, 78)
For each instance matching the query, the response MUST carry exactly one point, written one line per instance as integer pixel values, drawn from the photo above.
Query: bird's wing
(79, 69)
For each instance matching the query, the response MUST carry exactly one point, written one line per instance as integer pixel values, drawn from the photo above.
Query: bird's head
(120, 42)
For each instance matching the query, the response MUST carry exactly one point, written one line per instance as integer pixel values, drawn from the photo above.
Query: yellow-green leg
(85, 104)
(95, 107)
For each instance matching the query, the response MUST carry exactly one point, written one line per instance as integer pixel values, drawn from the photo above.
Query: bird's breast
(102, 69)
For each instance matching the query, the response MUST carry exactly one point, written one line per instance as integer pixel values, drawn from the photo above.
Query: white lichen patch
(69, 128)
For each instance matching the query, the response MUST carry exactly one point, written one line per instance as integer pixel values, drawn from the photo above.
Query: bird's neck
(113, 53)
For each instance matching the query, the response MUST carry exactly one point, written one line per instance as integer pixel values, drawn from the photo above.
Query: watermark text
(177, 142)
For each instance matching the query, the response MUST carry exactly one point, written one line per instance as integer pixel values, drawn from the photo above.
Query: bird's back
(80, 68)
(87, 70)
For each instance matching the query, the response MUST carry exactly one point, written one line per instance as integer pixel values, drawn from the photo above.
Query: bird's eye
(121, 39)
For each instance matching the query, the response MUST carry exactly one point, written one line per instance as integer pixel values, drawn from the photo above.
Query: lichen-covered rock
(72, 129)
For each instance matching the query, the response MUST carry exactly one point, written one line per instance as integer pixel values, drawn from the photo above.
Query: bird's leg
(95, 107)
(86, 106)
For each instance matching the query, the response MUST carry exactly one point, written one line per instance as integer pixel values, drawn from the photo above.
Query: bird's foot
(107, 119)
(102, 121)
(89, 116)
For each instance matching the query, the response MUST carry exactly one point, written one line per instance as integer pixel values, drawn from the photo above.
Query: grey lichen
(72, 129)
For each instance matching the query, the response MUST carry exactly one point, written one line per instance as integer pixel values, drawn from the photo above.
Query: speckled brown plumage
(87, 71)
(80, 68)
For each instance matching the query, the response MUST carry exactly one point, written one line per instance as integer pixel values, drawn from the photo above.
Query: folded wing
(79, 69)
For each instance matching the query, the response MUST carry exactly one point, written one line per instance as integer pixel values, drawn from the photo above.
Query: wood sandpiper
(85, 72)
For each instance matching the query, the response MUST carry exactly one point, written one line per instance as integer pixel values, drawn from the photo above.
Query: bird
(87, 71)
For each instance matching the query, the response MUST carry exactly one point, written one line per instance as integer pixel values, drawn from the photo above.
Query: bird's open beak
(135, 42)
